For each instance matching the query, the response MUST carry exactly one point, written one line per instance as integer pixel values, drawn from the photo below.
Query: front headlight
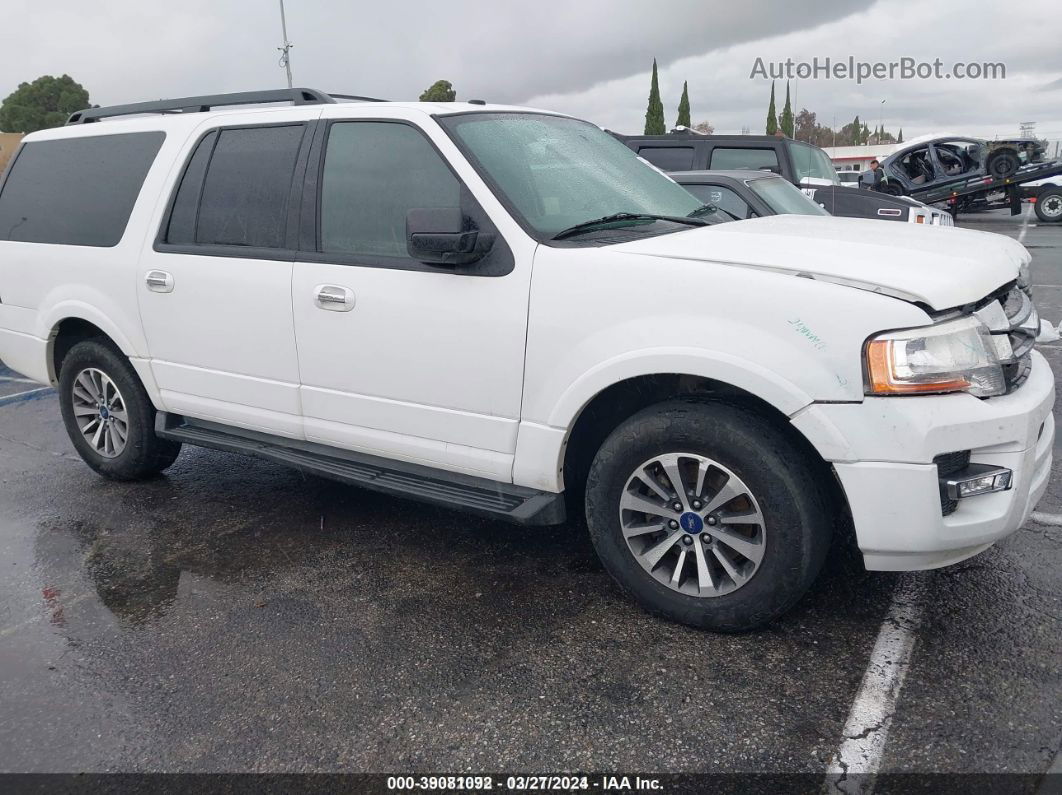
(954, 356)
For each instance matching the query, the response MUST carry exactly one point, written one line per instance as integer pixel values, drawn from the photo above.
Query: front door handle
(159, 281)
(332, 298)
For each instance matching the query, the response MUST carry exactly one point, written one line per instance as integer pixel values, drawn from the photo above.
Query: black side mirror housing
(445, 236)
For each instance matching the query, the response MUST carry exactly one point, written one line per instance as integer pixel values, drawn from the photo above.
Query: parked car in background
(849, 179)
(745, 194)
(505, 311)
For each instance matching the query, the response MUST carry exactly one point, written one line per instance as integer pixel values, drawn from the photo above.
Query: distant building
(8, 145)
(857, 158)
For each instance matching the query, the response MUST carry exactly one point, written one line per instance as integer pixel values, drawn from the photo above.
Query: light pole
(881, 115)
(285, 51)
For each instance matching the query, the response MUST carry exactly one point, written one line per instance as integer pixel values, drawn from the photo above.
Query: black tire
(797, 521)
(144, 454)
(892, 189)
(1049, 205)
(1003, 164)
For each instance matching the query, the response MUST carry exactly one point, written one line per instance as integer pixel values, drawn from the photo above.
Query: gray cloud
(590, 58)
(128, 49)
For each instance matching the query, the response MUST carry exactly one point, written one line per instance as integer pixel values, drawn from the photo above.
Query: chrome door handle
(334, 299)
(159, 281)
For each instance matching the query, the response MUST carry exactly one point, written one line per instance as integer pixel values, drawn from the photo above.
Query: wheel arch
(602, 412)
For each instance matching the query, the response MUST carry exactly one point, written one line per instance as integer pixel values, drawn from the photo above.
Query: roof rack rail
(297, 96)
(356, 97)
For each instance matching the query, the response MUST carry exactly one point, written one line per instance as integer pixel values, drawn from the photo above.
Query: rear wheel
(1049, 205)
(108, 414)
(1003, 164)
(708, 515)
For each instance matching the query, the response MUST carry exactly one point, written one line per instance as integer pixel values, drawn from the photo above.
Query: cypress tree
(654, 114)
(772, 117)
(786, 122)
(684, 108)
(899, 138)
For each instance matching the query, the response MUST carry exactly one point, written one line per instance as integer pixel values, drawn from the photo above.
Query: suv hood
(942, 267)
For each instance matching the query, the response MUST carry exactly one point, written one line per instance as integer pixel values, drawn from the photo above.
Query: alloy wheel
(100, 412)
(692, 524)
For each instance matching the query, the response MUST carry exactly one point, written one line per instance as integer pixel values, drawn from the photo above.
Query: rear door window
(248, 186)
(724, 158)
(76, 191)
(669, 158)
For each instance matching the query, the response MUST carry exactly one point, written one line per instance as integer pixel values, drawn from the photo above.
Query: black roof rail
(356, 97)
(297, 96)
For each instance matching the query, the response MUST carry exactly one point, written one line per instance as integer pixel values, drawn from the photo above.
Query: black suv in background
(804, 165)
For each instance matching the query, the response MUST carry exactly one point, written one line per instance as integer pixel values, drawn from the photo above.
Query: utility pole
(285, 51)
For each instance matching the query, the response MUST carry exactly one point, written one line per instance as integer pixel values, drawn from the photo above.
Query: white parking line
(871, 715)
(1054, 519)
(5, 399)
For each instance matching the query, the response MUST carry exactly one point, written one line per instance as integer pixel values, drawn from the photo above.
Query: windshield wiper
(586, 226)
(708, 209)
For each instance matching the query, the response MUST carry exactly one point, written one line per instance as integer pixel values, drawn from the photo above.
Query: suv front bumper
(882, 451)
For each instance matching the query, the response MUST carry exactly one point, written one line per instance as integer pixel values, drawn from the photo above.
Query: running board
(412, 481)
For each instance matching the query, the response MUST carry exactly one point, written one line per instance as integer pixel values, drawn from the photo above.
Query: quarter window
(374, 174)
(76, 191)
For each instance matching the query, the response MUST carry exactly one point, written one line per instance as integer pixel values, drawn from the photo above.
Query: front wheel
(109, 416)
(708, 515)
(892, 189)
(1049, 205)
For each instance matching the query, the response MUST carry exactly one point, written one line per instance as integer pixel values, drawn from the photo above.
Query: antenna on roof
(285, 51)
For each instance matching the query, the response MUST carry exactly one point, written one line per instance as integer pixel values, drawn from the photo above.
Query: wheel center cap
(691, 523)
(104, 412)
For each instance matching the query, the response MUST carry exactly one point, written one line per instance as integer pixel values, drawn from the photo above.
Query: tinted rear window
(669, 158)
(76, 191)
(248, 183)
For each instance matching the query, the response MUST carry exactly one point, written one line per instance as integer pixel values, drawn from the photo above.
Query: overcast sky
(589, 58)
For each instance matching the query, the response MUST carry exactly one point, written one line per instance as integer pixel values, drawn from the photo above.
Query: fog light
(977, 479)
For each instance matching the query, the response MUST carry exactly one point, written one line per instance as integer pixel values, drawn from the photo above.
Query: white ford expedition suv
(506, 311)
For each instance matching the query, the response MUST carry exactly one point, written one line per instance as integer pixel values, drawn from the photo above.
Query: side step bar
(476, 495)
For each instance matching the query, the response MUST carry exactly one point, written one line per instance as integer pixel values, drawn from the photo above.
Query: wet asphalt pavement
(235, 615)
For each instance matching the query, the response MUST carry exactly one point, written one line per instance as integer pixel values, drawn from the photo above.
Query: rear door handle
(333, 298)
(159, 281)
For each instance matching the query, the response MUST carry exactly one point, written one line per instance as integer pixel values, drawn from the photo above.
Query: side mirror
(444, 236)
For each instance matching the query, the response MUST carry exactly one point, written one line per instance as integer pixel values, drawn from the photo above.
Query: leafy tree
(654, 114)
(704, 127)
(44, 103)
(772, 116)
(439, 91)
(786, 122)
(684, 108)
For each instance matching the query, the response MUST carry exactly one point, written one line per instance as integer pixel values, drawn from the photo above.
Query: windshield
(810, 161)
(784, 198)
(555, 172)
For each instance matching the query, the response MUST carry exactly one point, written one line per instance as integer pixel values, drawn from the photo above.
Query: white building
(857, 158)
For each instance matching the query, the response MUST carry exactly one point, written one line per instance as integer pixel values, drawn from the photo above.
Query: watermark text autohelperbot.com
(849, 68)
